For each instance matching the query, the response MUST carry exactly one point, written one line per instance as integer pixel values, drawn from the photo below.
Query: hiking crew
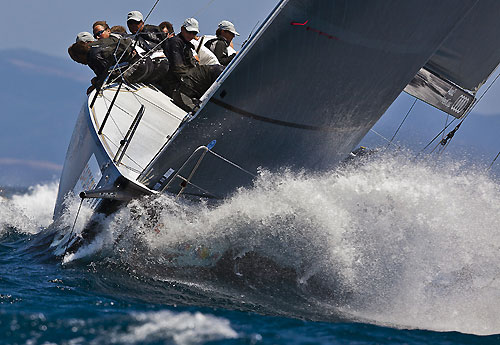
(105, 52)
(101, 29)
(172, 66)
(204, 55)
(221, 45)
(167, 28)
(190, 78)
(118, 29)
(85, 37)
(148, 36)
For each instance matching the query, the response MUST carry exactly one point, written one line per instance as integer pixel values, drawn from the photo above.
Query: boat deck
(160, 120)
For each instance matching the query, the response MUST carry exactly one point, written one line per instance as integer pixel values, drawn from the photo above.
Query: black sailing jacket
(180, 55)
(218, 46)
(150, 38)
(105, 52)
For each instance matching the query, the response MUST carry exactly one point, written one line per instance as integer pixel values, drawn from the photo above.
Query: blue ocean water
(389, 252)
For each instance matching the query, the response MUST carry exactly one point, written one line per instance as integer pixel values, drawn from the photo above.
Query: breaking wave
(154, 327)
(387, 240)
(182, 328)
(30, 211)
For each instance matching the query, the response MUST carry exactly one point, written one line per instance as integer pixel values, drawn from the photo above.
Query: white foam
(31, 211)
(415, 243)
(181, 328)
(426, 241)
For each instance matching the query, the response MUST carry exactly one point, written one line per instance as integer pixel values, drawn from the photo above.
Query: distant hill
(40, 101)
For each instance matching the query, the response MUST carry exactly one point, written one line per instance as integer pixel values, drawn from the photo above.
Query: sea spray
(389, 239)
(30, 211)
(411, 243)
(427, 238)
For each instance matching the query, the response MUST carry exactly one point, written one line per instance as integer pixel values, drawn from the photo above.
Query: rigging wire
(126, 155)
(139, 60)
(451, 134)
(105, 99)
(441, 132)
(159, 44)
(134, 40)
(121, 71)
(445, 123)
(117, 60)
(250, 34)
(445, 141)
(150, 51)
(201, 10)
(380, 135)
(150, 126)
(443, 138)
(408, 113)
(73, 228)
(160, 108)
(498, 154)
(487, 89)
(138, 31)
(101, 83)
(151, 10)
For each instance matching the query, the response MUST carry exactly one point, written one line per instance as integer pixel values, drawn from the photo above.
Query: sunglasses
(98, 33)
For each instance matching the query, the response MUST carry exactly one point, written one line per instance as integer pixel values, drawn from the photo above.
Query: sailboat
(301, 94)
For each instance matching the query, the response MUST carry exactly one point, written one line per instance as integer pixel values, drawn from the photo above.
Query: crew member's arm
(221, 52)
(176, 57)
(98, 64)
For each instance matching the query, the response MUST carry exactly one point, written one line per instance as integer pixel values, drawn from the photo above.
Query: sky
(50, 27)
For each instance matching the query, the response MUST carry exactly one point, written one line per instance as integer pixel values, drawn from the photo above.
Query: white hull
(302, 94)
(91, 160)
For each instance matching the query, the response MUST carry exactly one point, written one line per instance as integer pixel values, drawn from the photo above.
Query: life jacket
(108, 48)
(226, 54)
(150, 38)
(210, 44)
(105, 52)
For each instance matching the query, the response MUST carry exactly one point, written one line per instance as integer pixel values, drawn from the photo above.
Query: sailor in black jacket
(220, 45)
(185, 72)
(106, 52)
(148, 36)
(179, 51)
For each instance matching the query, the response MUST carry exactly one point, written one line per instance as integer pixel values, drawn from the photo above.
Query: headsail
(465, 60)
(472, 51)
(440, 93)
(313, 81)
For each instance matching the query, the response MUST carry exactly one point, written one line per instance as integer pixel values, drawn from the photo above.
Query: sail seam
(269, 120)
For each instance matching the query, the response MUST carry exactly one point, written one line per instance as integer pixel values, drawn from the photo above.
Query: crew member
(101, 29)
(118, 29)
(85, 37)
(185, 74)
(101, 55)
(167, 28)
(148, 36)
(221, 45)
